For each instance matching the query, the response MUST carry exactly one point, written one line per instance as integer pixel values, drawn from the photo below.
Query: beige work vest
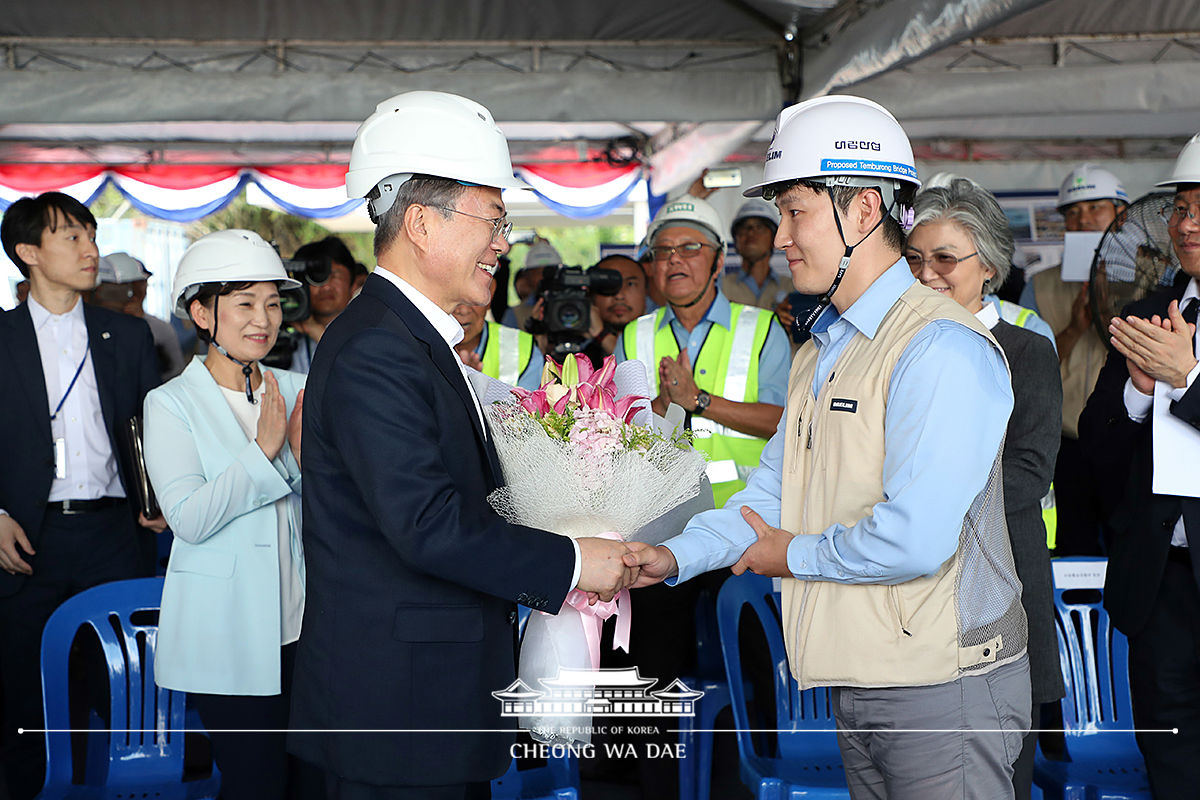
(965, 617)
(1079, 371)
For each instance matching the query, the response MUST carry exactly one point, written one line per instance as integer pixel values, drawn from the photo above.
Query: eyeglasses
(501, 227)
(689, 250)
(941, 262)
(1174, 214)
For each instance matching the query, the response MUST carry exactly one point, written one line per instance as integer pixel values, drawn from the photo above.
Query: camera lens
(569, 316)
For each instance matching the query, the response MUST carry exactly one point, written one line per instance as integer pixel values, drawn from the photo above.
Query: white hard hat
(844, 141)
(756, 207)
(427, 133)
(688, 211)
(228, 256)
(121, 268)
(1187, 166)
(541, 254)
(1090, 182)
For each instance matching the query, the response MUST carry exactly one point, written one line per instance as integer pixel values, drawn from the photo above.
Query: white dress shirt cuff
(1177, 394)
(3, 513)
(578, 565)
(1137, 405)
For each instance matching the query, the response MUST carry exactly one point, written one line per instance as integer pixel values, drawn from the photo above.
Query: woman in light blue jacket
(223, 455)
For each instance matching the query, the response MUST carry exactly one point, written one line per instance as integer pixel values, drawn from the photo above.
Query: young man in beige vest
(880, 493)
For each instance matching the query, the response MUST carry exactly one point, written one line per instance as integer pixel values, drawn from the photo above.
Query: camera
(296, 303)
(565, 292)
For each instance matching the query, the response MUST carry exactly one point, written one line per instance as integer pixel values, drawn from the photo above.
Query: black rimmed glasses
(689, 250)
(941, 262)
(501, 227)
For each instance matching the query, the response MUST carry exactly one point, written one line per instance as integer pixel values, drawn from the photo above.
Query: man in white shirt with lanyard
(73, 375)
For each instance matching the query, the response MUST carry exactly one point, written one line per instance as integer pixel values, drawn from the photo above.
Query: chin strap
(247, 367)
(827, 298)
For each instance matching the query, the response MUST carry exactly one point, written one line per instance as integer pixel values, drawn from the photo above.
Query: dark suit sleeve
(1034, 428)
(1106, 433)
(147, 363)
(1187, 408)
(411, 490)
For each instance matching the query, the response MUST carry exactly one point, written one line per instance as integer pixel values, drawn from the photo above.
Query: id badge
(60, 458)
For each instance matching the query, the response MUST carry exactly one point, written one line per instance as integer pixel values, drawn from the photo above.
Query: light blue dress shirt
(531, 378)
(773, 362)
(947, 409)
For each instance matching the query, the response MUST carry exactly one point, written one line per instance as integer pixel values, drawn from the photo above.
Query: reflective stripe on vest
(1014, 314)
(727, 366)
(507, 353)
(1050, 518)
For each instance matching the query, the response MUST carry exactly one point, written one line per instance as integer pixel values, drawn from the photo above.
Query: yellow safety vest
(727, 366)
(507, 353)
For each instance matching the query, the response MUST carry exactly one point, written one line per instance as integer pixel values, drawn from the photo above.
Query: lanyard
(71, 386)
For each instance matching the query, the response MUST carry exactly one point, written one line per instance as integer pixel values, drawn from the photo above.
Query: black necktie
(1189, 315)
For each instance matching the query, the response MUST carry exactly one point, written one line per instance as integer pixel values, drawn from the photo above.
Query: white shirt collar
(41, 315)
(446, 325)
(988, 315)
(1192, 290)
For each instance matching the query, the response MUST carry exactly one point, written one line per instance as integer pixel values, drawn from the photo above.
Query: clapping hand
(1155, 349)
(273, 426)
(676, 380)
(768, 555)
(296, 425)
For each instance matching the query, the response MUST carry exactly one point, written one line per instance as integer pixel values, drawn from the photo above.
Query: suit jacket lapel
(422, 330)
(104, 364)
(27, 360)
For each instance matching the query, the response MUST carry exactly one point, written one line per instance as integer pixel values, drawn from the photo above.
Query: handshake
(611, 565)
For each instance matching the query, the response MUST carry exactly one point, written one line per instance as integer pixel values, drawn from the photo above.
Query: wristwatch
(703, 398)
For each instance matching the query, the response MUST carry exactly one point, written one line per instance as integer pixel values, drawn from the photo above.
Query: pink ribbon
(593, 616)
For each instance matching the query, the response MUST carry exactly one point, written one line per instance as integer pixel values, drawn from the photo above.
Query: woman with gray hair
(961, 246)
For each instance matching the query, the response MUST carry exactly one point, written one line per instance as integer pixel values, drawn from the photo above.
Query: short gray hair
(421, 190)
(965, 202)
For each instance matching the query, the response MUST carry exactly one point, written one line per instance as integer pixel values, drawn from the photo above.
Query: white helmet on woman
(426, 133)
(227, 256)
(1187, 166)
(840, 140)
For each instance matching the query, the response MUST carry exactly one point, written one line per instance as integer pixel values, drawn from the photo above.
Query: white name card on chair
(1070, 574)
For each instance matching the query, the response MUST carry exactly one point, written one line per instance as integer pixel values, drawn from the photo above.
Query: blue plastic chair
(807, 763)
(147, 760)
(557, 780)
(1103, 760)
(695, 769)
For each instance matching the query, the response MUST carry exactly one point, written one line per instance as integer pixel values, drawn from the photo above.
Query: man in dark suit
(1152, 588)
(72, 374)
(412, 579)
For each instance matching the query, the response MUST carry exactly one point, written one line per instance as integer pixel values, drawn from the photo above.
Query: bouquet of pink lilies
(577, 462)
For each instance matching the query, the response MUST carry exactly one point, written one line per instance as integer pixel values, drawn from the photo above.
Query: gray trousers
(954, 740)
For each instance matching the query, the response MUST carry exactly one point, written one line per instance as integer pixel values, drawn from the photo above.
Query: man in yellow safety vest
(724, 363)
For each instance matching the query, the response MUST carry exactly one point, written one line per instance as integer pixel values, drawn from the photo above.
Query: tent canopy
(269, 82)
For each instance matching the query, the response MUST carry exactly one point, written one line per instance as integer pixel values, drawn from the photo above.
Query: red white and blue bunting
(188, 192)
